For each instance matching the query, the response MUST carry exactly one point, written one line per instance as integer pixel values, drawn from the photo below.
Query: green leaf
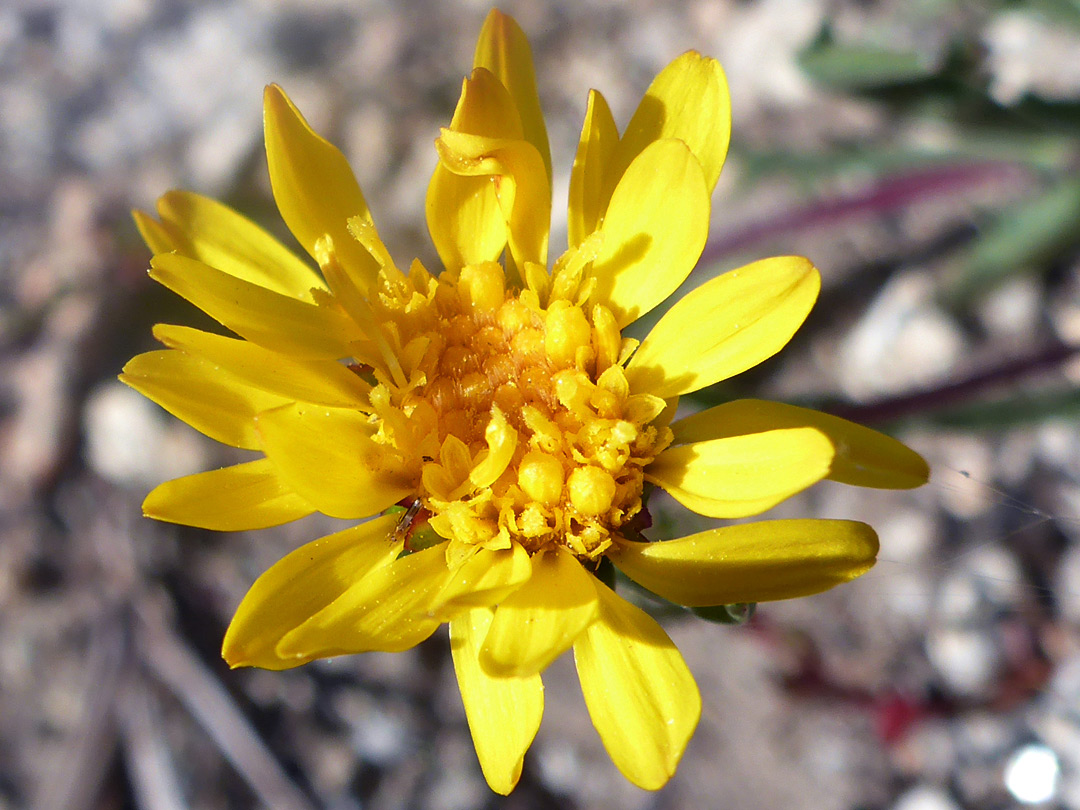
(1019, 239)
(738, 613)
(856, 66)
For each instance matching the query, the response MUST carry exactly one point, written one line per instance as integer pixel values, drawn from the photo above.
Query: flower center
(515, 414)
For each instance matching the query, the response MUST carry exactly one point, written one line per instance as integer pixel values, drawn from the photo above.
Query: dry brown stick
(154, 781)
(75, 778)
(176, 666)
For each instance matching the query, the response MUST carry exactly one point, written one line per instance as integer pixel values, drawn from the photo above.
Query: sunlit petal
(464, 216)
(503, 49)
(485, 579)
(688, 100)
(864, 457)
(640, 695)
(299, 586)
(329, 458)
(194, 390)
(540, 620)
(314, 187)
(588, 202)
(503, 713)
(387, 610)
(324, 382)
(654, 231)
(751, 562)
(733, 322)
(270, 319)
(743, 475)
(232, 499)
(216, 235)
(516, 173)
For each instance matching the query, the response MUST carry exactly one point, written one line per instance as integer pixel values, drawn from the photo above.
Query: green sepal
(737, 613)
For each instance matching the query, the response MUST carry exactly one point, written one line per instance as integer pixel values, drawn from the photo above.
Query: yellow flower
(500, 402)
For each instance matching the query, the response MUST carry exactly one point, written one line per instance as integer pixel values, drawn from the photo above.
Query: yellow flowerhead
(500, 404)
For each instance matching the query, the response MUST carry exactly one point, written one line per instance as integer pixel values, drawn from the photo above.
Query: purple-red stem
(881, 197)
(998, 377)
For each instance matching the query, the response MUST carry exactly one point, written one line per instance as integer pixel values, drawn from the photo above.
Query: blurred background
(924, 154)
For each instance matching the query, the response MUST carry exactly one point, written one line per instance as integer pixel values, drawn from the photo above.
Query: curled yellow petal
(464, 216)
(329, 458)
(540, 620)
(742, 475)
(864, 457)
(232, 499)
(654, 231)
(640, 695)
(503, 713)
(314, 187)
(751, 562)
(516, 173)
(503, 49)
(688, 100)
(300, 585)
(725, 326)
(263, 316)
(197, 392)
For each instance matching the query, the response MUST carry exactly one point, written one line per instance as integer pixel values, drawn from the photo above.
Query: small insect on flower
(404, 525)
(489, 427)
(412, 530)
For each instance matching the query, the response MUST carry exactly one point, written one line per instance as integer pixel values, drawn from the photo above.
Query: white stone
(925, 797)
(966, 659)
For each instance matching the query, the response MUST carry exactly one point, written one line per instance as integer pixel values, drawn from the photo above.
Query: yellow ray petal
(158, 237)
(587, 202)
(504, 49)
(300, 585)
(654, 231)
(386, 610)
(328, 457)
(464, 218)
(688, 100)
(324, 382)
(265, 317)
(864, 457)
(503, 713)
(516, 173)
(540, 620)
(640, 695)
(232, 499)
(751, 562)
(742, 475)
(725, 326)
(486, 578)
(216, 235)
(197, 392)
(314, 187)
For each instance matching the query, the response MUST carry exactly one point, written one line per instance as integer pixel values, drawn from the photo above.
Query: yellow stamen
(517, 417)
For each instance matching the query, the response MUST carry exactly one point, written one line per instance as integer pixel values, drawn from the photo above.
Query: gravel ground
(947, 678)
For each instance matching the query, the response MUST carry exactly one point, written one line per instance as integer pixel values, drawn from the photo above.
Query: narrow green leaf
(1019, 238)
(855, 66)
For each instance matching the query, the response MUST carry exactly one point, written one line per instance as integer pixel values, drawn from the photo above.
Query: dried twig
(154, 781)
(75, 778)
(176, 666)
